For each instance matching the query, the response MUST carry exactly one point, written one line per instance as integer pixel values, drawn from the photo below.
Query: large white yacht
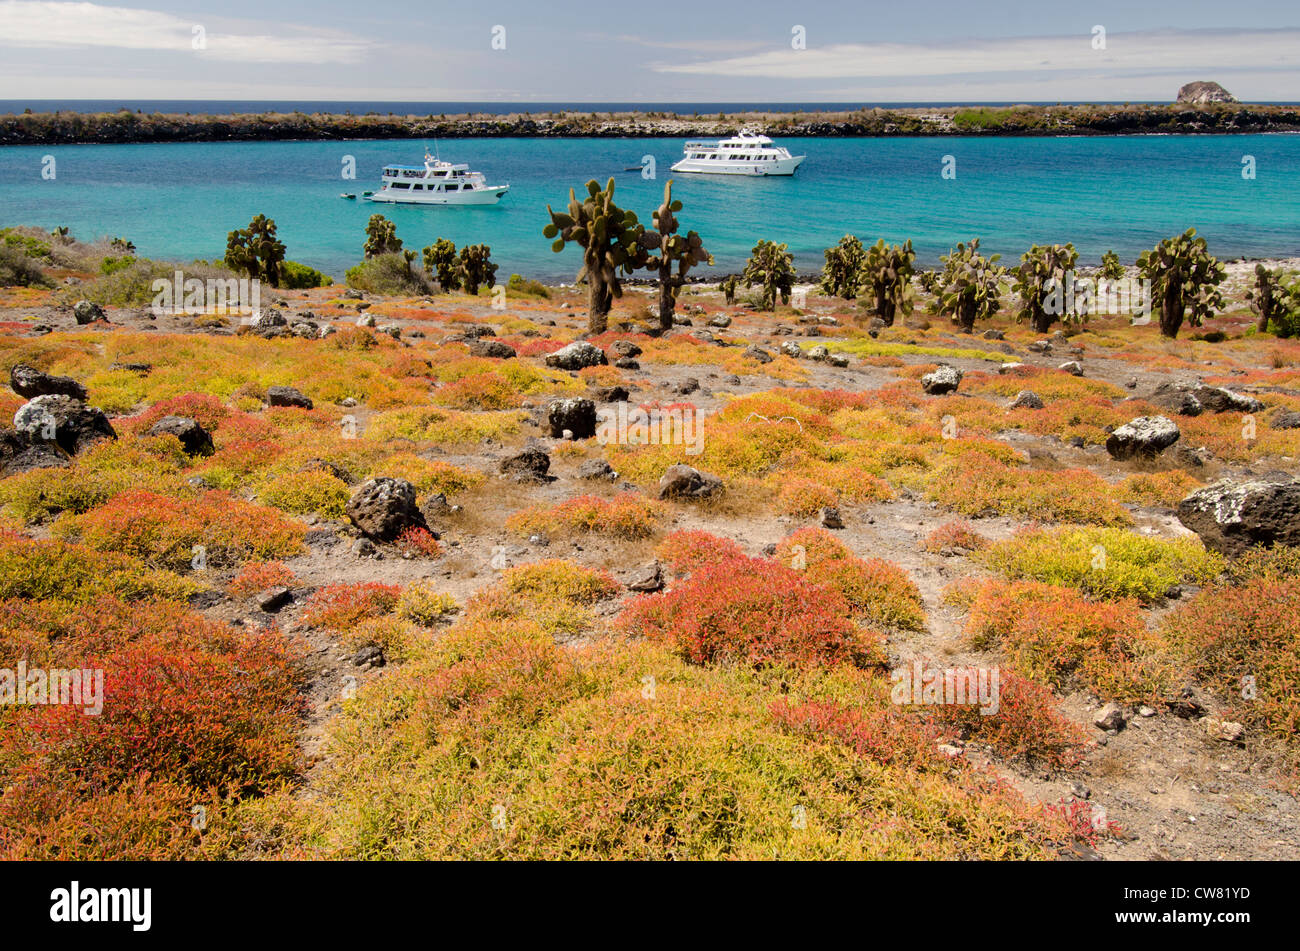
(436, 183)
(746, 154)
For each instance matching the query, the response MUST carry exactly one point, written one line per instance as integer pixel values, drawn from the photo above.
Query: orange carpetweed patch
(341, 606)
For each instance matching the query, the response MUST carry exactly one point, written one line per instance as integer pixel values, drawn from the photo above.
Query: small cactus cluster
(842, 273)
(1275, 299)
(970, 287)
(666, 247)
(254, 250)
(381, 237)
(728, 287)
(470, 270)
(1040, 278)
(1185, 280)
(440, 261)
(887, 271)
(1111, 268)
(476, 268)
(610, 240)
(771, 267)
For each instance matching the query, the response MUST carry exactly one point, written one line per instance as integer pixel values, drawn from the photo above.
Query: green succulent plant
(381, 237)
(1111, 268)
(1040, 281)
(771, 267)
(665, 248)
(887, 272)
(440, 261)
(970, 287)
(475, 268)
(842, 272)
(610, 240)
(254, 250)
(1185, 280)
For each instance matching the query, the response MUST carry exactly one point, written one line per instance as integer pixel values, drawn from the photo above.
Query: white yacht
(436, 183)
(749, 153)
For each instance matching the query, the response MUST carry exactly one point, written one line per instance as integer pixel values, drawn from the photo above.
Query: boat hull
(745, 168)
(479, 196)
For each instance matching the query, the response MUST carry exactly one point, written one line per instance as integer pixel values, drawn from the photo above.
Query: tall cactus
(970, 287)
(381, 237)
(609, 238)
(670, 248)
(1185, 280)
(440, 259)
(254, 250)
(1111, 268)
(728, 287)
(888, 271)
(1265, 299)
(842, 273)
(771, 266)
(1040, 281)
(476, 268)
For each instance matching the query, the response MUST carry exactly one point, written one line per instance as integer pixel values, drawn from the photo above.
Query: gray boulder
(87, 312)
(288, 396)
(1027, 399)
(68, 422)
(29, 382)
(945, 379)
(494, 349)
(1232, 517)
(383, 508)
(195, 440)
(577, 356)
(686, 482)
(575, 413)
(1144, 436)
(531, 465)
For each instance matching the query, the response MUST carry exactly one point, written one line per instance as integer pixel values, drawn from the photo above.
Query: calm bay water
(1122, 192)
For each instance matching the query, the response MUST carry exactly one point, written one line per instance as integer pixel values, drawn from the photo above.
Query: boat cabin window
(452, 187)
(401, 184)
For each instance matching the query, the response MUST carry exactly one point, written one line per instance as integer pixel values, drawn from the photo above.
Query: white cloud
(1171, 51)
(48, 24)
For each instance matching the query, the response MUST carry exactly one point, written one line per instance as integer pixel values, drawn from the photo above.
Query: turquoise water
(1121, 192)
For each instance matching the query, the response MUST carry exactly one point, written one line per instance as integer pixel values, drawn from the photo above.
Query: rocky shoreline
(65, 128)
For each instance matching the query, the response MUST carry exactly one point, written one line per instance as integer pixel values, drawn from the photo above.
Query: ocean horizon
(177, 201)
(451, 107)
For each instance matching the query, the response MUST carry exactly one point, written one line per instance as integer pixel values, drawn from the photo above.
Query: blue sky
(925, 50)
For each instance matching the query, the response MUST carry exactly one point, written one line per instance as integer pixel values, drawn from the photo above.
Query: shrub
(976, 485)
(954, 536)
(1105, 562)
(876, 591)
(1058, 638)
(169, 531)
(259, 575)
(388, 274)
(688, 550)
(341, 606)
(303, 493)
(752, 611)
(418, 542)
(422, 603)
(57, 571)
(1229, 634)
(1161, 489)
(1026, 724)
(627, 515)
(295, 276)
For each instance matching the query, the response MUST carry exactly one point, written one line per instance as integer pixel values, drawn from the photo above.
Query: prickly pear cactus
(665, 248)
(610, 240)
(381, 237)
(1040, 281)
(970, 287)
(1111, 268)
(842, 273)
(771, 266)
(476, 269)
(440, 260)
(1185, 280)
(887, 272)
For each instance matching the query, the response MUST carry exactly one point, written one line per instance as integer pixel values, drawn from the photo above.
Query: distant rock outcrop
(1200, 93)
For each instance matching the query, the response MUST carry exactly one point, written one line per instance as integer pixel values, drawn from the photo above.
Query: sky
(934, 51)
